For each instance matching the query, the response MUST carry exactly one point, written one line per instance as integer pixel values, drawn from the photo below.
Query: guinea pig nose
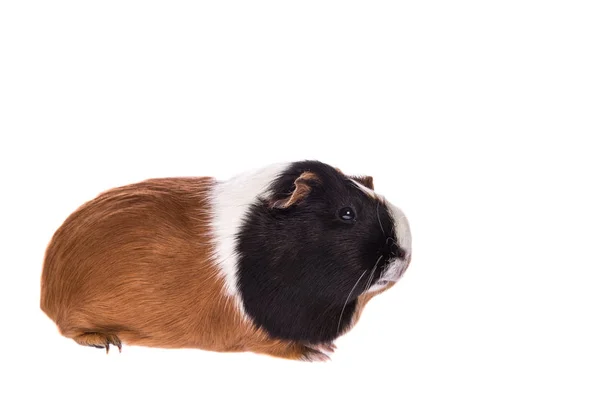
(398, 251)
(401, 253)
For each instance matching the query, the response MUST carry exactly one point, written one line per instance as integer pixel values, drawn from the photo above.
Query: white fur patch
(231, 200)
(395, 269)
(402, 226)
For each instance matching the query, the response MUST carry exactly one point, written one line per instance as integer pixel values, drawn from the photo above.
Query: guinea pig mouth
(392, 272)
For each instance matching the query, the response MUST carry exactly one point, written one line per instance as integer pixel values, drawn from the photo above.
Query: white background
(479, 119)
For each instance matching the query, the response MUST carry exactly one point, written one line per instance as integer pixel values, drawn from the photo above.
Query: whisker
(379, 218)
(373, 273)
(371, 276)
(348, 298)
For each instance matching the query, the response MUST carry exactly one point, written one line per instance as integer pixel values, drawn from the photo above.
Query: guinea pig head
(314, 243)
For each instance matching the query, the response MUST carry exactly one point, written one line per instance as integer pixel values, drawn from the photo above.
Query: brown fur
(301, 190)
(133, 266)
(365, 180)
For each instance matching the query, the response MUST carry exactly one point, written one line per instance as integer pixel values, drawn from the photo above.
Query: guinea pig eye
(347, 214)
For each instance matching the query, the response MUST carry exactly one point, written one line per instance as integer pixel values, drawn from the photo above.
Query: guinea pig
(279, 261)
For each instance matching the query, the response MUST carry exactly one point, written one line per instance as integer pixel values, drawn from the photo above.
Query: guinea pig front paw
(323, 347)
(317, 352)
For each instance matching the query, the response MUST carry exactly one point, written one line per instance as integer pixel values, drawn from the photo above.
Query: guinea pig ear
(367, 181)
(302, 188)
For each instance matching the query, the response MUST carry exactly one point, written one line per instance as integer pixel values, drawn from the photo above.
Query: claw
(314, 355)
(330, 347)
(323, 347)
(99, 340)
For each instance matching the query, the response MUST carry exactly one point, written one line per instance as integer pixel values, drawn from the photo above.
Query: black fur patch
(298, 266)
